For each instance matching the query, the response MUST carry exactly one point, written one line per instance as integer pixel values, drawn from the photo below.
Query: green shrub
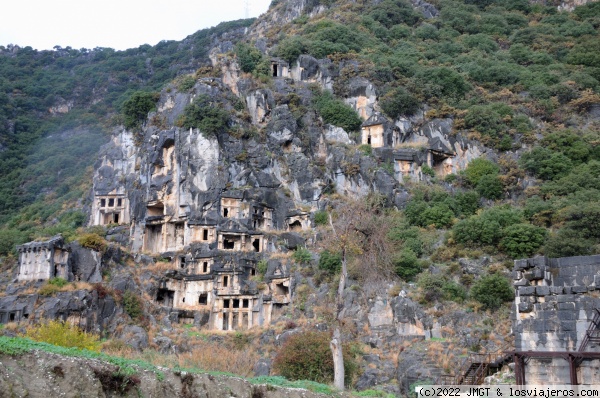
(545, 163)
(336, 112)
(442, 81)
(477, 231)
(407, 265)
(399, 102)
(93, 241)
(205, 115)
(490, 187)
(64, 335)
(567, 243)
(261, 267)
(186, 83)
(492, 290)
(248, 57)
(330, 262)
(467, 203)
(428, 171)
(438, 287)
(132, 304)
(136, 108)
(407, 237)
(321, 217)
(291, 48)
(479, 167)
(522, 240)
(58, 282)
(307, 356)
(423, 214)
(302, 255)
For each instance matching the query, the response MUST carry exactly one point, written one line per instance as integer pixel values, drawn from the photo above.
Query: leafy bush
(93, 241)
(205, 115)
(545, 163)
(490, 187)
(442, 81)
(399, 102)
(566, 243)
(307, 356)
(407, 265)
(302, 255)
(59, 282)
(336, 112)
(186, 83)
(479, 167)
(291, 48)
(261, 267)
(428, 171)
(330, 262)
(424, 214)
(132, 304)
(522, 240)
(486, 228)
(438, 287)
(492, 290)
(136, 108)
(248, 57)
(64, 335)
(321, 217)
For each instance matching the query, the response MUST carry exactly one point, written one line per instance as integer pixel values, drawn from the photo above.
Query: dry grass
(207, 356)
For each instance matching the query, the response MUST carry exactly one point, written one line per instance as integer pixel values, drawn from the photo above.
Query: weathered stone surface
(40, 374)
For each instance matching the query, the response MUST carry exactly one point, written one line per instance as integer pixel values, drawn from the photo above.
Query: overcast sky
(119, 24)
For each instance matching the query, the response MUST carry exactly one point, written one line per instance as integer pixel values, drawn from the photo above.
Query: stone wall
(554, 305)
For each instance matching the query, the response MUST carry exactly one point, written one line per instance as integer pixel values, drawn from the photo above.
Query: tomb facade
(44, 260)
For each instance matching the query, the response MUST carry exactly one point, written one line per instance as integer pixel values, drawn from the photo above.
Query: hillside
(422, 147)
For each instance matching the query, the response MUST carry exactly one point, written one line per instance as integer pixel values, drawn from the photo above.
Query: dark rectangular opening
(236, 303)
(281, 290)
(226, 303)
(225, 281)
(116, 218)
(225, 212)
(203, 299)
(245, 303)
(228, 244)
(11, 317)
(205, 267)
(256, 245)
(182, 262)
(274, 70)
(205, 234)
(119, 202)
(102, 202)
(111, 202)
(296, 226)
(165, 297)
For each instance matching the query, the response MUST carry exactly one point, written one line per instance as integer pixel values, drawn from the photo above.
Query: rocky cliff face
(41, 374)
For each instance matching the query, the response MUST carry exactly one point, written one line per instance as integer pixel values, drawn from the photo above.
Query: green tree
(479, 167)
(336, 112)
(136, 108)
(206, 115)
(330, 262)
(492, 290)
(399, 102)
(522, 240)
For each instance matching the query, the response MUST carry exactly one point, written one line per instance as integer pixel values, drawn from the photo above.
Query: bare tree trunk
(338, 359)
(336, 341)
